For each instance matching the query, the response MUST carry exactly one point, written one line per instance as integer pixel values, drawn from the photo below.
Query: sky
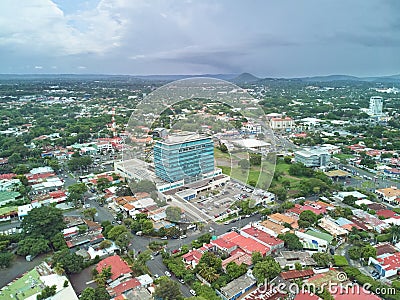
(268, 38)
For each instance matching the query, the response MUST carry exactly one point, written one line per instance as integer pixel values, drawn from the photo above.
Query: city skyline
(267, 39)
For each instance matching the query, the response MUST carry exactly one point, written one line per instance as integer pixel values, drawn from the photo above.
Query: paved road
(156, 266)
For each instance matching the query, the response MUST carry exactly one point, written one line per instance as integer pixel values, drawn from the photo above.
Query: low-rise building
(289, 259)
(314, 240)
(237, 287)
(387, 265)
(390, 194)
(258, 234)
(330, 226)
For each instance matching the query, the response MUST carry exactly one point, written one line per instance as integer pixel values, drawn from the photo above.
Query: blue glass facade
(186, 160)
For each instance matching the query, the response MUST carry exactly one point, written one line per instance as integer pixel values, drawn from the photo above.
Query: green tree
(266, 269)
(45, 222)
(88, 294)
(33, 246)
(173, 213)
(6, 259)
(256, 257)
(235, 271)
(167, 289)
(105, 244)
(323, 259)
(368, 251)
(71, 262)
(291, 240)
(47, 292)
(307, 218)
(354, 252)
(58, 241)
(103, 183)
(90, 213)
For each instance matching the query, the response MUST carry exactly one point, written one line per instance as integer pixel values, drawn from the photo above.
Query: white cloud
(42, 26)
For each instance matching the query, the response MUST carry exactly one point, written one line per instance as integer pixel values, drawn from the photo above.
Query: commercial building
(183, 157)
(281, 123)
(312, 157)
(375, 106)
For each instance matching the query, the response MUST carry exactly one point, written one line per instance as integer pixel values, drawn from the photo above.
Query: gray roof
(237, 285)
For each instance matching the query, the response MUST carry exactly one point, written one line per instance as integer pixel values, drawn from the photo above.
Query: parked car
(193, 292)
(182, 281)
(183, 236)
(156, 276)
(175, 251)
(164, 238)
(167, 273)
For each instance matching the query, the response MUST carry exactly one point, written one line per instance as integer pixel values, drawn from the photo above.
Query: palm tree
(209, 274)
(395, 233)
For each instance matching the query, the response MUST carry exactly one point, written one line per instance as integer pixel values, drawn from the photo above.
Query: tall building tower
(184, 156)
(375, 106)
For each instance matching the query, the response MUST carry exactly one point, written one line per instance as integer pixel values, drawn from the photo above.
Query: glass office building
(185, 156)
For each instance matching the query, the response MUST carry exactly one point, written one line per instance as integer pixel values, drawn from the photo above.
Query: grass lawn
(343, 156)
(25, 287)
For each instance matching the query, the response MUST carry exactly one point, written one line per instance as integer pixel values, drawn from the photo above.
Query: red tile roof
(223, 244)
(297, 274)
(391, 262)
(248, 245)
(263, 236)
(126, 286)
(387, 213)
(193, 255)
(118, 266)
(57, 194)
(7, 176)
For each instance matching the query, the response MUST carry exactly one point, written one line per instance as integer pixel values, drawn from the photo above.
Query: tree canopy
(43, 222)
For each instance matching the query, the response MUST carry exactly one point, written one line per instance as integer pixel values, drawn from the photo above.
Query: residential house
(387, 265)
(391, 194)
(256, 233)
(291, 258)
(330, 226)
(314, 240)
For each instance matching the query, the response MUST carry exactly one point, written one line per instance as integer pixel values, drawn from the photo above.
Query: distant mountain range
(244, 78)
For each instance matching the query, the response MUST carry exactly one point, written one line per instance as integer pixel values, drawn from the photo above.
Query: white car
(193, 292)
(156, 276)
(183, 236)
(167, 273)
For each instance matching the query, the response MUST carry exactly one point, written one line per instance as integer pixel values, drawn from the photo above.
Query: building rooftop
(118, 266)
(293, 274)
(390, 262)
(385, 248)
(237, 285)
(320, 235)
(262, 236)
(126, 286)
(248, 245)
(182, 138)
